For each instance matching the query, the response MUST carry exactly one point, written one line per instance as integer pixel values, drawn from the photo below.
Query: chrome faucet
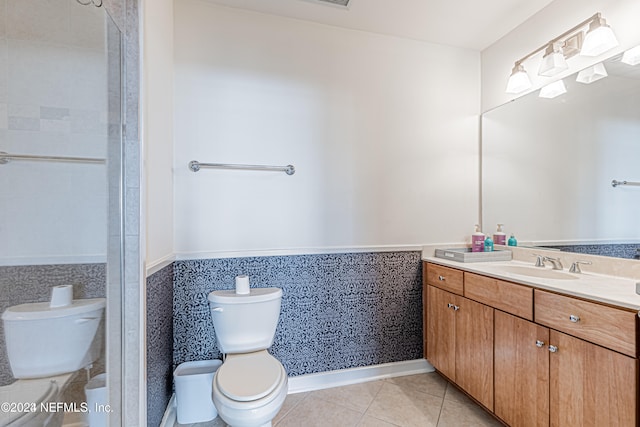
(575, 267)
(539, 260)
(557, 265)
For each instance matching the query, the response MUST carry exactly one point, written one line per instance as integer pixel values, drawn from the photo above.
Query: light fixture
(592, 74)
(599, 38)
(519, 80)
(553, 61)
(631, 56)
(553, 89)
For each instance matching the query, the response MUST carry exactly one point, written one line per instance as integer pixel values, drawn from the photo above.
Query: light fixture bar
(598, 39)
(561, 36)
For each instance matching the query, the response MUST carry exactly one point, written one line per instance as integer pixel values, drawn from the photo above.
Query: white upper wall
(550, 22)
(468, 24)
(157, 128)
(383, 133)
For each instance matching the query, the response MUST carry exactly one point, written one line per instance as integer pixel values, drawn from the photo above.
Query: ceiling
(471, 24)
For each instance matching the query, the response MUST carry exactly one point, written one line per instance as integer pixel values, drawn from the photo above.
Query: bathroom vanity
(535, 346)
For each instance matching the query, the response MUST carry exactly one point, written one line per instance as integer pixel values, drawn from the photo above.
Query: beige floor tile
(368, 421)
(430, 383)
(405, 408)
(316, 412)
(290, 402)
(465, 415)
(356, 396)
(454, 395)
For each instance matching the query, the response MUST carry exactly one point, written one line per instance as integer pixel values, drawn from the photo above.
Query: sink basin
(543, 273)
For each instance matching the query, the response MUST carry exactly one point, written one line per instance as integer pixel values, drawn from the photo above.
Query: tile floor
(424, 400)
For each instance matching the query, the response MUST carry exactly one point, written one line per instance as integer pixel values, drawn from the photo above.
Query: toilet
(251, 385)
(46, 345)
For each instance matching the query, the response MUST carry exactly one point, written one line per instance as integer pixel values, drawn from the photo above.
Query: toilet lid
(249, 376)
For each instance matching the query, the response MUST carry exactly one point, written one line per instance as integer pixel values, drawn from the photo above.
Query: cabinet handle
(539, 343)
(441, 278)
(574, 318)
(456, 308)
(449, 305)
(553, 349)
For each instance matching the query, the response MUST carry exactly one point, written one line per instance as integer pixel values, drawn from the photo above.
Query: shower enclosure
(61, 169)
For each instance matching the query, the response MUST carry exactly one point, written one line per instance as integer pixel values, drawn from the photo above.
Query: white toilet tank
(43, 341)
(245, 322)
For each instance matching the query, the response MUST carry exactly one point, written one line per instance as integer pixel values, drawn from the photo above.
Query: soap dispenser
(512, 241)
(488, 244)
(499, 238)
(477, 240)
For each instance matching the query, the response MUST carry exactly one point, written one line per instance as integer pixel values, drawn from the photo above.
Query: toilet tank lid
(256, 295)
(42, 310)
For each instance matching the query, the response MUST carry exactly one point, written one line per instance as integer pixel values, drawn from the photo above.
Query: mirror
(60, 211)
(548, 165)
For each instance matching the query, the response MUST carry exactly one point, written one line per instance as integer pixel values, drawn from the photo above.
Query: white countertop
(614, 290)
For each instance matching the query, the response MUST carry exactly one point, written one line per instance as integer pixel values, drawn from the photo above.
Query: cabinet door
(441, 331)
(474, 350)
(591, 386)
(521, 371)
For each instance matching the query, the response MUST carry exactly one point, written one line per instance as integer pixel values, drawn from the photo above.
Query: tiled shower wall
(338, 311)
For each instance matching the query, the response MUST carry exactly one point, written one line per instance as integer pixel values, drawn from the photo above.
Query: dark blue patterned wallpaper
(338, 310)
(623, 250)
(159, 343)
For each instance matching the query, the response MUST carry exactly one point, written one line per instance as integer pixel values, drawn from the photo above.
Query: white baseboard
(342, 377)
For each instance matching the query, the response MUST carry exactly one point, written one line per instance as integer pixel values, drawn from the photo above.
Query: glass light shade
(552, 63)
(599, 38)
(553, 89)
(592, 74)
(632, 56)
(519, 80)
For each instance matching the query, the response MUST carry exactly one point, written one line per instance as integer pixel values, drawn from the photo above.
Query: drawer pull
(449, 305)
(553, 349)
(539, 343)
(574, 318)
(441, 278)
(456, 308)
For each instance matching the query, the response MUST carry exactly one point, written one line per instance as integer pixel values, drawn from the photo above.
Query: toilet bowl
(30, 401)
(250, 387)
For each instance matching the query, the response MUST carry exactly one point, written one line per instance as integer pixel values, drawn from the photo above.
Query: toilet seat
(36, 391)
(258, 412)
(249, 377)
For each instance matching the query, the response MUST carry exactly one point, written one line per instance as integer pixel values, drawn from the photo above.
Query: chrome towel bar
(615, 183)
(6, 158)
(195, 166)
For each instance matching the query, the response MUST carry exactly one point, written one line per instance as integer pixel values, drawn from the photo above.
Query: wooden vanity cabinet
(460, 342)
(541, 374)
(589, 385)
(521, 371)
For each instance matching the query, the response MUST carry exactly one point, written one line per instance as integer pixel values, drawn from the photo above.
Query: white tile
(3, 117)
(38, 20)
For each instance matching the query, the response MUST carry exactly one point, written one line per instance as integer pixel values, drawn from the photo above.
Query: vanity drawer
(505, 296)
(445, 278)
(610, 327)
